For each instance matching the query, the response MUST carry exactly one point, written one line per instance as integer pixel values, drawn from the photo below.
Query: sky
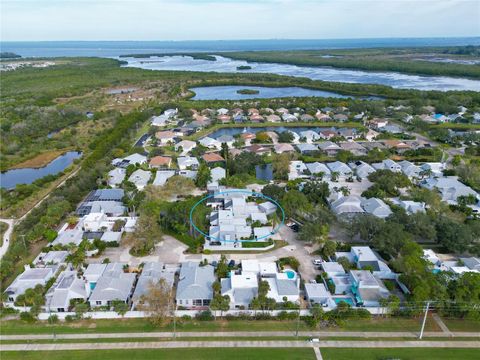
(36, 20)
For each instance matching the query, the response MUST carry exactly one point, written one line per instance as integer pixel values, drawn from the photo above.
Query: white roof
(347, 204)
(376, 207)
(136, 159)
(162, 176)
(339, 167)
(317, 167)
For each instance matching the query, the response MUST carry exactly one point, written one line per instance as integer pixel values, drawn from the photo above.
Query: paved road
(241, 344)
(167, 334)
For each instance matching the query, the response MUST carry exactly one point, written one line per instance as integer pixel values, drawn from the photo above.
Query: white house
(187, 162)
(210, 143)
(218, 173)
(376, 207)
(340, 168)
(241, 288)
(194, 289)
(30, 278)
(186, 146)
(318, 294)
(116, 176)
(66, 288)
(140, 178)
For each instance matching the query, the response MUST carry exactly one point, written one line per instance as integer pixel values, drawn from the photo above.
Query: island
(244, 67)
(9, 55)
(248, 91)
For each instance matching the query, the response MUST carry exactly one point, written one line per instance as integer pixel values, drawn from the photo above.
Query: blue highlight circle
(250, 193)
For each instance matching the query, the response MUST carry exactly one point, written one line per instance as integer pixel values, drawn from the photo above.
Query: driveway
(6, 236)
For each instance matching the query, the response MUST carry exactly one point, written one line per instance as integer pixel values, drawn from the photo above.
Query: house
(68, 236)
(187, 162)
(473, 263)
(222, 111)
(226, 139)
(297, 170)
(185, 146)
(431, 257)
(189, 174)
(376, 207)
(267, 207)
(248, 137)
(170, 113)
(105, 195)
(50, 258)
(284, 286)
(210, 143)
(152, 273)
(240, 288)
(318, 168)
(347, 205)
(367, 289)
(218, 173)
(257, 118)
(364, 257)
(67, 288)
(449, 188)
(159, 121)
(282, 148)
(110, 208)
(327, 134)
(116, 177)
(258, 149)
(340, 168)
(309, 136)
(160, 162)
(330, 148)
(282, 111)
(134, 159)
(318, 294)
(332, 268)
(409, 169)
(165, 137)
(340, 117)
(322, 117)
(113, 285)
(307, 148)
(273, 118)
(140, 178)
(371, 134)
(194, 289)
(289, 117)
(348, 134)
(433, 169)
(378, 123)
(388, 164)
(30, 278)
(361, 169)
(306, 117)
(212, 158)
(398, 145)
(411, 207)
(355, 148)
(224, 118)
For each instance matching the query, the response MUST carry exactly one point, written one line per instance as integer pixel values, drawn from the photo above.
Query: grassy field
(401, 353)
(39, 160)
(160, 354)
(462, 324)
(142, 325)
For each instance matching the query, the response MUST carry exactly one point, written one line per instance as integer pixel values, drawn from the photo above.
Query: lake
(227, 65)
(230, 92)
(264, 172)
(11, 178)
(278, 129)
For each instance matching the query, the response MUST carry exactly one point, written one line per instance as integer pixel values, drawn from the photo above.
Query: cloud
(235, 19)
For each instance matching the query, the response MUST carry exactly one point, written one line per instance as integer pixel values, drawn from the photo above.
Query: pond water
(229, 92)
(264, 172)
(11, 178)
(278, 129)
(226, 65)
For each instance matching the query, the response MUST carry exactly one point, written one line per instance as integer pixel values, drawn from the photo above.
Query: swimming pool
(349, 301)
(290, 274)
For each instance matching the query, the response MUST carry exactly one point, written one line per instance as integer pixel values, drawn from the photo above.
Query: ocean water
(117, 48)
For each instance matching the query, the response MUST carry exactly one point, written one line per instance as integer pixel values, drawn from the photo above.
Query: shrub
(27, 317)
(204, 316)
(69, 318)
(53, 319)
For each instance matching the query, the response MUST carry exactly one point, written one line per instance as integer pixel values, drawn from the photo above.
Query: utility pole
(424, 320)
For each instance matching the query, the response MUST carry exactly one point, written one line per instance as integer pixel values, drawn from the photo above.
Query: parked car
(214, 264)
(317, 261)
(231, 263)
(314, 340)
(313, 281)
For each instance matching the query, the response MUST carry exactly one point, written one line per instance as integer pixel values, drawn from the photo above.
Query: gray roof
(152, 272)
(68, 286)
(472, 263)
(195, 281)
(113, 285)
(307, 147)
(286, 287)
(106, 195)
(316, 291)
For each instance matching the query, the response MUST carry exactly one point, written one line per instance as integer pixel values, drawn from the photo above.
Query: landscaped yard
(184, 354)
(400, 353)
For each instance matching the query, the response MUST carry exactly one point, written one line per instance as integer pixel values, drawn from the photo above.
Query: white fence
(191, 313)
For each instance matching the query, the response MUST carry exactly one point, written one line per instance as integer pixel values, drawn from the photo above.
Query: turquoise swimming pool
(349, 301)
(290, 274)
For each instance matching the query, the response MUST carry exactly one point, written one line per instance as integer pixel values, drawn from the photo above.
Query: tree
(120, 307)
(273, 191)
(316, 192)
(262, 137)
(221, 303)
(285, 137)
(222, 268)
(391, 239)
(313, 232)
(295, 203)
(329, 248)
(281, 166)
(204, 176)
(158, 302)
(80, 310)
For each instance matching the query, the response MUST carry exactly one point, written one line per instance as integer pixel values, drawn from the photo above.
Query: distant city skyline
(37, 20)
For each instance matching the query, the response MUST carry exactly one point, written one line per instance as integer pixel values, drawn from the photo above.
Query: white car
(317, 261)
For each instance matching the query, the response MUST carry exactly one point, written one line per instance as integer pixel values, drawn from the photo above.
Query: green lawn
(401, 353)
(161, 354)
(142, 325)
(462, 324)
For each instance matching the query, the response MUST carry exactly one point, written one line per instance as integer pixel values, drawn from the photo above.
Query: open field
(143, 325)
(185, 354)
(462, 324)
